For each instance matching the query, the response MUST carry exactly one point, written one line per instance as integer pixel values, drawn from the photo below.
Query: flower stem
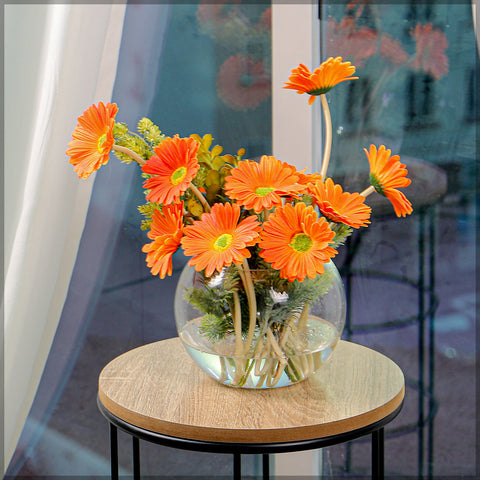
(200, 197)
(302, 321)
(252, 301)
(237, 322)
(368, 191)
(275, 347)
(130, 153)
(328, 136)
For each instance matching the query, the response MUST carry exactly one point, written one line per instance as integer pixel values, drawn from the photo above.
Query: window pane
(411, 281)
(191, 68)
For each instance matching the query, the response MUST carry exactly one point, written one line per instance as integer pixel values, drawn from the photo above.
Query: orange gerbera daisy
(387, 174)
(340, 206)
(92, 139)
(330, 73)
(260, 185)
(306, 178)
(296, 242)
(173, 167)
(166, 233)
(218, 239)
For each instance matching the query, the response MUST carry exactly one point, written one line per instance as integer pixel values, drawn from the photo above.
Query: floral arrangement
(260, 226)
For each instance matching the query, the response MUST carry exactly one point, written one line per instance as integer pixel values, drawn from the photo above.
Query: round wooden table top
(159, 388)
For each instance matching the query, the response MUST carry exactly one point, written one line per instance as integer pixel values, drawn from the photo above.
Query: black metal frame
(424, 318)
(376, 429)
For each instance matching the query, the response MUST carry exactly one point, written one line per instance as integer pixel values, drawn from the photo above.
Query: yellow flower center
(263, 191)
(100, 143)
(301, 243)
(223, 242)
(178, 175)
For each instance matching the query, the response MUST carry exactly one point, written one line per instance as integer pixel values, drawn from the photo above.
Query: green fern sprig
(215, 328)
(300, 294)
(342, 232)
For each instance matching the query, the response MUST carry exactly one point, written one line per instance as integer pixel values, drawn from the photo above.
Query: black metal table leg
(114, 451)
(378, 470)
(266, 466)
(136, 458)
(431, 341)
(421, 339)
(237, 466)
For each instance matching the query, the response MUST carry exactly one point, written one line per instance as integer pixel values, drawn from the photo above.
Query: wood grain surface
(158, 387)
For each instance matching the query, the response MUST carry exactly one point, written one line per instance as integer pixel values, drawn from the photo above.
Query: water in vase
(305, 353)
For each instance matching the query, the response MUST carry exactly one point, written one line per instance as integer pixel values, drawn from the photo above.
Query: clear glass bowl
(251, 329)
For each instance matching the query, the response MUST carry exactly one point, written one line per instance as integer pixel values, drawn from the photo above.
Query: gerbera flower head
(350, 41)
(92, 139)
(330, 73)
(219, 239)
(431, 44)
(307, 178)
(387, 174)
(340, 206)
(243, 83)
(259, 185)
(166, 231)
(296, 242)
(173, 166)
(392, 50)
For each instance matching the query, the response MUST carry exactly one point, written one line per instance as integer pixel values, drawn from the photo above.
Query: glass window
(411, 282)
(191, 68)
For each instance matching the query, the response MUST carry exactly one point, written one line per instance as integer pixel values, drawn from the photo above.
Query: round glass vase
(250, 328)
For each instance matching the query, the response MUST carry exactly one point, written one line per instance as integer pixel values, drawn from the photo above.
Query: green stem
(130, 153)
(328, 136)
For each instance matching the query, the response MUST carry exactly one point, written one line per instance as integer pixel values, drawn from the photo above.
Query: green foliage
(150, 132)
(342, 232)
(216, 303)
(147, 211)
(215, 328)
(276, 310)
(143, 143)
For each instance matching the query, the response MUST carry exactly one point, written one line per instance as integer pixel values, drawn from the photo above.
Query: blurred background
(207, 68)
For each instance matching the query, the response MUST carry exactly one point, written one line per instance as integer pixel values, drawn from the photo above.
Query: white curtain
(58, 60)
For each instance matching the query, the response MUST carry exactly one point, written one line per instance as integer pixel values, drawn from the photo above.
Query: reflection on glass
(218, 69)
(192, 68)
(417, 93)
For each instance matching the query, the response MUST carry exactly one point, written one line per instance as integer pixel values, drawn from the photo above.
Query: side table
(156, 393)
